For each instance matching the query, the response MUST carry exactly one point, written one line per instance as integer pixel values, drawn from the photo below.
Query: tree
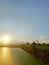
(39, 44)
(37, 41)
(27, 43)
(44, 43)
(33, 43)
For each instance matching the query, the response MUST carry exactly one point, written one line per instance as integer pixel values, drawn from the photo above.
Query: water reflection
(13, 56)
(4, 53)
(6, 58)
(4, 50)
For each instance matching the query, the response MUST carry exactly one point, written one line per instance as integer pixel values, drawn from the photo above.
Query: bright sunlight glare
(5, 39)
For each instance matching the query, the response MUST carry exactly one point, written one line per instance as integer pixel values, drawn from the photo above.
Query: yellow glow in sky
(5, 39)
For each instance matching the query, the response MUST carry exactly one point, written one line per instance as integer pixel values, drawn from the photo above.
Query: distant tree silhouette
(33, 43)
(27, 43)
(44, 43)
(39, 44)
(37, 41)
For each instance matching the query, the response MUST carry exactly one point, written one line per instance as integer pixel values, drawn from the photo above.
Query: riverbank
(39, 53)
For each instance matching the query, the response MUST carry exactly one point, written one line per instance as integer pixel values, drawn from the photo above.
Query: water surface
(17, 56)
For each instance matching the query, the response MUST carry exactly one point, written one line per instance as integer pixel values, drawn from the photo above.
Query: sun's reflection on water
(4, 53)
(6, 58)
(4, 50)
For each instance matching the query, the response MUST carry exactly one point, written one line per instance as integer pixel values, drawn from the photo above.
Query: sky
(25, 20)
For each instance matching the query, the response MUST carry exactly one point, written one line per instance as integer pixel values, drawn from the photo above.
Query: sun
(5, 39)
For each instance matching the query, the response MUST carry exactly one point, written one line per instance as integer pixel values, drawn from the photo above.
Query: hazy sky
(25, 19)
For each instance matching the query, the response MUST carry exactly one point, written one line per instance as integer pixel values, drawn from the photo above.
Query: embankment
(39, 53)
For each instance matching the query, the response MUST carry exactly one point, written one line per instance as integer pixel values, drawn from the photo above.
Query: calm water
(17, 56)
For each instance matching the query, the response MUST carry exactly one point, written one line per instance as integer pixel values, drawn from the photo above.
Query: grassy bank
(41, 52)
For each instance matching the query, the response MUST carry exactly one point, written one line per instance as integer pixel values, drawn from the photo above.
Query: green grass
(43, 47)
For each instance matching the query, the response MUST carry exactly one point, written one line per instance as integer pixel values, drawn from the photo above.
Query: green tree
(27, 43)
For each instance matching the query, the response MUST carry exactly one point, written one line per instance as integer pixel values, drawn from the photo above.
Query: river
(17, 56)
